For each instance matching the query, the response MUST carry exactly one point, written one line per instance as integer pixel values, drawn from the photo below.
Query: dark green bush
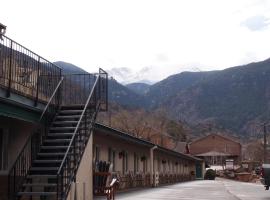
(210, 174)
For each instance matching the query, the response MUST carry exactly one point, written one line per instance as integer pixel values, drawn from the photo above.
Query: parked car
(265, 173)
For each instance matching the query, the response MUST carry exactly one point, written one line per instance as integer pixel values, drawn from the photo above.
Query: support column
(152, 165)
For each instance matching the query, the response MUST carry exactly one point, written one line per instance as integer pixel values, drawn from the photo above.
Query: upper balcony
(28, 81)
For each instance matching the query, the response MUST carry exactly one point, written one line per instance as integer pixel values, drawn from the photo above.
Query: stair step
(60, 134)
(51, 154)
(36, 193)
(65, 122)
(54, 147)
(62, 128)
(57, 140)
(47, 161)
(44, 168)
(75, 106)
(41, 176)
(67, 116)
(39, 184)
(70, 111)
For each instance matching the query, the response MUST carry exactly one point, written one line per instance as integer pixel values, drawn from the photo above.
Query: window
(3, 150)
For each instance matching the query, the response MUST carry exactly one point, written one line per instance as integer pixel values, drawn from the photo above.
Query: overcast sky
(166, 34)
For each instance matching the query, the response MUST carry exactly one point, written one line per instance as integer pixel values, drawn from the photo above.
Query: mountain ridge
(234, 99)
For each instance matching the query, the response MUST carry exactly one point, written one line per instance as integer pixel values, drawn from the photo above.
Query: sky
(165, 36)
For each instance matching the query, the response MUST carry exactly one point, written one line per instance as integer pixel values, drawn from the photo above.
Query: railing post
(10, 69)
(60, 92)
(74, 149)
(57, 187)
(14, 183)
(37, 92)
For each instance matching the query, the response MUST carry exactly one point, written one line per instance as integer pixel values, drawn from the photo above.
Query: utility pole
(264, 144)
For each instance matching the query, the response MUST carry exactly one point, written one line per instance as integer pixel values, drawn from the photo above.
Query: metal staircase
(49, 161)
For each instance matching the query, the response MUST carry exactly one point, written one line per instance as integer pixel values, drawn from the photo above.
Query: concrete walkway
(220, 189)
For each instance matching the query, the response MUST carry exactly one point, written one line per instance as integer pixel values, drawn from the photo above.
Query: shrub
(210, 174)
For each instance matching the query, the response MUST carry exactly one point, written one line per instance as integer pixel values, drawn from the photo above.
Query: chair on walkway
(104, 185)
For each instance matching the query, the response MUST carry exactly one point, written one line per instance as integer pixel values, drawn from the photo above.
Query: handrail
(28, 139)
(79, 122)
(49, 102)
(31, 51)
(24, 147)
(29, 150)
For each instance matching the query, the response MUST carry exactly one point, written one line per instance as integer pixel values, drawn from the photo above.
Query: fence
(24, 72)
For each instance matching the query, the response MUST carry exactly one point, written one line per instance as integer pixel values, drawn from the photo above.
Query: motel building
(50, 141)
(140, 163)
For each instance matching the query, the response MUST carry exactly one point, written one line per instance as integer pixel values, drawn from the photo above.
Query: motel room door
(199, 170)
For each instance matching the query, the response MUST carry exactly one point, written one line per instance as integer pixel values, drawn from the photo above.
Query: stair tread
(72, 106)
(39, 184)
(70, 111)
(36, 193)
(51, 154)
(57, 140)
(67, 116)
(65, 122)
(41, 176)
(60, 134)
(47, 161)
(64, 127)
(53, 147)
(44, 168)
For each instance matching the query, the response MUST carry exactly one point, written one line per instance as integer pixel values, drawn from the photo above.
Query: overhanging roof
(128, 137)
(214, 153)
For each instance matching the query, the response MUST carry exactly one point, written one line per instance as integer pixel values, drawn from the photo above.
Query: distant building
(214, 149)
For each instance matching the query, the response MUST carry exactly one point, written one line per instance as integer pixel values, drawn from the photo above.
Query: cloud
(162, 57)
(256, 23)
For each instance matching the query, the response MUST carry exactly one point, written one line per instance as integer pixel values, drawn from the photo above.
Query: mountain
(122, 95)
(236, 98)
(126, 75)
(117, 93)
(69, 68)
(139, 88)
(166, 89)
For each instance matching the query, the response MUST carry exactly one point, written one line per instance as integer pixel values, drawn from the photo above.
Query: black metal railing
(69, 166)
(24, 72)
(89, 90)
(103, 88)
(77, 87)
(22, 165)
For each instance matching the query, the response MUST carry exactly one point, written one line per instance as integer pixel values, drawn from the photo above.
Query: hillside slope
(233, 98)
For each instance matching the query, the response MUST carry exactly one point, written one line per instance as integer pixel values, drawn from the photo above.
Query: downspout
(152, 165)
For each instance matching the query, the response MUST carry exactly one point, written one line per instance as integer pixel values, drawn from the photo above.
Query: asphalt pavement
(219, 189)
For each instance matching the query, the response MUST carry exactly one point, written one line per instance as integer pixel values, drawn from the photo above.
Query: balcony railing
(24, 72)
(136, 180)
